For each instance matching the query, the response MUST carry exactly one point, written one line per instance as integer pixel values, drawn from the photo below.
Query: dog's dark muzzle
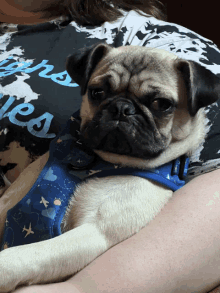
(120, 127)
(121, 108)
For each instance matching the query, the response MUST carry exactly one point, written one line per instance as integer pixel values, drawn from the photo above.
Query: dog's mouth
(122, 137)
(109, 136)
(115, 142)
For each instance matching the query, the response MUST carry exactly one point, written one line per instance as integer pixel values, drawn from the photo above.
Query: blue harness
(39, 214)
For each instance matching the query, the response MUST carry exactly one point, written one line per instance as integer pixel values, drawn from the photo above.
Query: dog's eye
(161, 105)
(97, 94)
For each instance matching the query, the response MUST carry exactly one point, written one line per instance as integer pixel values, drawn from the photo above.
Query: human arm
(178, 250)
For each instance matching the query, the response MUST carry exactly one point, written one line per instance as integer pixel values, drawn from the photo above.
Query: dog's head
(138, 102)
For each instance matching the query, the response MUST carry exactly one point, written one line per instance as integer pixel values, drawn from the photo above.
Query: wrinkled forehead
(137, 69)
(137, 53)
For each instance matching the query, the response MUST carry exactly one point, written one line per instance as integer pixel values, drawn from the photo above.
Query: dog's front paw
(13, 271)
(8, 278)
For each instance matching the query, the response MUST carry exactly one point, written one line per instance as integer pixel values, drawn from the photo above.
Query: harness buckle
(180, 167)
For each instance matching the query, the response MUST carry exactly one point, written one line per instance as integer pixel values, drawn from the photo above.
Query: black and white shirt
(37, 95)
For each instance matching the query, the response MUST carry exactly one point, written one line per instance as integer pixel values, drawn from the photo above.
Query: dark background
(201, 16)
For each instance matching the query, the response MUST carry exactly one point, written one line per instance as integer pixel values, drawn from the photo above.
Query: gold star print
(91, 172)
(44, 201)
(57, 202)
(29, 231)
(72, 118)
(59, 140)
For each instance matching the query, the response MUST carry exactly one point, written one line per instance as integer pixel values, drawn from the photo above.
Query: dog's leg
(104, 222)
(51, 260)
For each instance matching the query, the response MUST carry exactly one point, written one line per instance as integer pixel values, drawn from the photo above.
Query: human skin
(177, 252)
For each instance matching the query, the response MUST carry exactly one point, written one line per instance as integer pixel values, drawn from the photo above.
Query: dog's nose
(122, 108)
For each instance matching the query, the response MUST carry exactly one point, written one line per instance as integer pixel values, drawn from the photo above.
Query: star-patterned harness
(39, 214)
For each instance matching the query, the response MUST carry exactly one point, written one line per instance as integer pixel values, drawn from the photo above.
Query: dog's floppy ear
(81, 64)
(203, 86)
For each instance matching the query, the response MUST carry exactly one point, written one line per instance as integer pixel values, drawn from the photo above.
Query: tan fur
(193, 137)
(159, 70)
(105, 211)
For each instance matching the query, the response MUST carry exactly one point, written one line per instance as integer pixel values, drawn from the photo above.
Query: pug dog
(141, 108)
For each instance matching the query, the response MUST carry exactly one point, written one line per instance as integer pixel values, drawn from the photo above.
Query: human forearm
(176, 252)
